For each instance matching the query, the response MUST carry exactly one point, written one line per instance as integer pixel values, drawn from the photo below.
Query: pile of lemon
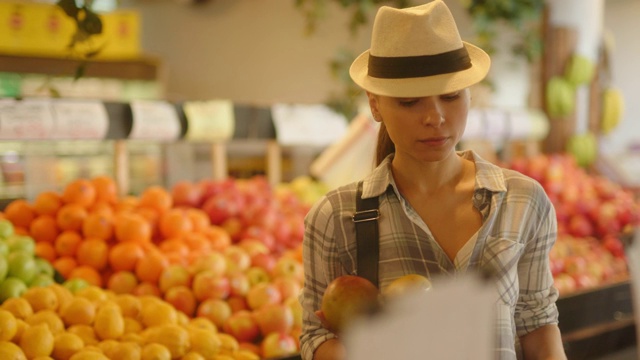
(54, 322)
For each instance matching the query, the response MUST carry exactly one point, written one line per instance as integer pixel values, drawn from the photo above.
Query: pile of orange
(87, 231)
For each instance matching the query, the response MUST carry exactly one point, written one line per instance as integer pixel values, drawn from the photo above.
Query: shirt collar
(488, 176)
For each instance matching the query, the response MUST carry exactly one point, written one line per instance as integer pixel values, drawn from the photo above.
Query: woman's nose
(433, 118)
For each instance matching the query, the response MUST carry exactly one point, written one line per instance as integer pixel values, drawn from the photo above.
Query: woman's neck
(429, 177)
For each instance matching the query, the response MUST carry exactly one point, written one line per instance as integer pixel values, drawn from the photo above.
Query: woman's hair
(384, 146)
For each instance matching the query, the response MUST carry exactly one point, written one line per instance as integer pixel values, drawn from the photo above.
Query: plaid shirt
(518, 230)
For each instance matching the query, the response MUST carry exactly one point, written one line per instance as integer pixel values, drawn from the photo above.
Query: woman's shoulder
(338, 199)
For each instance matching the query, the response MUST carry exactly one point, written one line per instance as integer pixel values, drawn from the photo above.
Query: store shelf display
(212, 267)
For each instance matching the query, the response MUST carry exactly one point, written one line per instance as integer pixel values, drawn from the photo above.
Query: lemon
(65, 345)
(37, 340)
(8, 325)
(11, 351)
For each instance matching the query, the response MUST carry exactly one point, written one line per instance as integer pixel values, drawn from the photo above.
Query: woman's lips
(435, 141)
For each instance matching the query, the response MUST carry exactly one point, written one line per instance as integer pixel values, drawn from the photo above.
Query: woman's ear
(373, 105)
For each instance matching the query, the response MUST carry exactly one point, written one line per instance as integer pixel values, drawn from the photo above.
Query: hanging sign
(154, 120)
(28, 119)
(80, 119)
(307, 124)
(209, 120)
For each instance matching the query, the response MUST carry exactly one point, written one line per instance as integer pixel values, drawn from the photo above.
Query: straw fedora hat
(417, 52)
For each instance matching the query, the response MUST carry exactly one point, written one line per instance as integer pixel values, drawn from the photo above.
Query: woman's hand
(323, 320)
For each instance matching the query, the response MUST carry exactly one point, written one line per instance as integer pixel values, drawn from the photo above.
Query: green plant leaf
(80, 70)
(91, 24)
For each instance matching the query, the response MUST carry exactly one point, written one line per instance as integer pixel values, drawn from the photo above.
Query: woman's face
(424, 128)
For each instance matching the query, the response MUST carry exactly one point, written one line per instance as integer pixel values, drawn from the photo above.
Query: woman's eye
(408, 102)
(451, 96)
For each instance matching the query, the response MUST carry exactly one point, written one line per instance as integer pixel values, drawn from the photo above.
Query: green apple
(75, 284)
(22, 265)
(6, 228)
(4, 267)
(11, 287)
(41, 280)
(22, 243)
(44, 267)
(4, 248)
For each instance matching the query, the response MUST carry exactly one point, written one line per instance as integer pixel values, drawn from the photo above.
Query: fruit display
(612, 109)
(559, 97)
(228, 252)
(593, 213)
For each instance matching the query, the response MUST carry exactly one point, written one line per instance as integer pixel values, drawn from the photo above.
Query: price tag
(307, 124)
(209, 120)
(80, 119)
(154, 120)
(28, 119)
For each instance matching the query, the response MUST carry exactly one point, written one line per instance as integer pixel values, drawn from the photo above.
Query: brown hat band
(418, 66)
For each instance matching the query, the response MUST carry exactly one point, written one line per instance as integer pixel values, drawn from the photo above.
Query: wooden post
(274, 163)
(121, 166)
(219, 161)
(559, 44)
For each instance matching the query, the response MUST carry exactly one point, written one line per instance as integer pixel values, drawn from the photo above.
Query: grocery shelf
(146, 68)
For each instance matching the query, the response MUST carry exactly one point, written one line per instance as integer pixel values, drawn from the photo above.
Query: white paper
(27, 119)
(496, 123)
(154, 120)
(307, 124)
(80, 119)
(209, 120)
(454, 320)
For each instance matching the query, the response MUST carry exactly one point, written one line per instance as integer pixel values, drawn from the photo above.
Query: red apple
(181, 298)
(580, 226)
(174, 275)
(262, 294)
(274, 318)
(237, 303)
(276, 345)
(237, 259)
(242, 326)
(239, 284)
(288, 266)
(265, 261)
(216, 310)
(186, 193)
(575, 264)
(257, 275)
(565, 284)
(288, 286)
(213, 262)
(346, 298)
(209, 285)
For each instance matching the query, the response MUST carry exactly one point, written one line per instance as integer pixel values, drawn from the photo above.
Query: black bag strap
(366, 223)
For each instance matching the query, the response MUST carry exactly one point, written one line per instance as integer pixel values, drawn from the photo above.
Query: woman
(442, 212)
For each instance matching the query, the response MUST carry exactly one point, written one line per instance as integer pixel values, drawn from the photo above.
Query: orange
(219, 238)
(46, 251)
(65, 265)
(67, 242)
(44, 228)
(71, 216)
(174, 246)
(199, 219)
(47, 203)
(81, 192)
(132, 227)
(106, 189)
(102, 208)
(175, 223)
(198, 243)
(125, 255)
(79, 311)
(147, 288)
(149, 267)
(20, 213)
(97, 225)
(94, 253)
(156, 197)
(87, 273)
(126, 204)
(122, 282)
